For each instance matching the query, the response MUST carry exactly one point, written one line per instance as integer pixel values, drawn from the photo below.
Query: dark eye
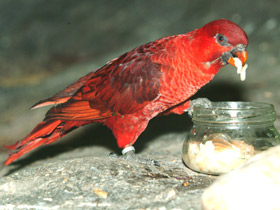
(222, 39)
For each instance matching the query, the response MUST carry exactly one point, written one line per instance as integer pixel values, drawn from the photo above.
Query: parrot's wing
(122, 86)
(64, 95)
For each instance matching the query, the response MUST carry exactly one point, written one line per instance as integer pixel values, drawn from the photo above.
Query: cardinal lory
(127, 92)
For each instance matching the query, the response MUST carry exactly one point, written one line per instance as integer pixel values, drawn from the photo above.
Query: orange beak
(241, 55)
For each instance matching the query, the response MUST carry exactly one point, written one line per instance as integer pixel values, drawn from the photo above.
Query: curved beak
(241, 55)
(237, 57)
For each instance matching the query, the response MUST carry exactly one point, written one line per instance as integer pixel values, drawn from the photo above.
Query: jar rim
(235, 105)
(234, 112)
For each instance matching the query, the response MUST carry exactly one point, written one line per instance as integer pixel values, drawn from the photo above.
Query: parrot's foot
(129, 154)
(205, 102)
(128, 150)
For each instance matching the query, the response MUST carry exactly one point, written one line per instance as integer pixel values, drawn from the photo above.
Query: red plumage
(127, 92)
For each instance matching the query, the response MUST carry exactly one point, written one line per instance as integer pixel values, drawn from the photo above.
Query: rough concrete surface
(46, 45)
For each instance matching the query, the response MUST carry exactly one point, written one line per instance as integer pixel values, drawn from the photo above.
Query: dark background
(46, 45)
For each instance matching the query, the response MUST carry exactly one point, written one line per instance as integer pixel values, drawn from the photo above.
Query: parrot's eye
(222, 39)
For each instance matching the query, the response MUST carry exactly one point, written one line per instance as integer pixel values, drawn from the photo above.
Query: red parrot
(126, 93)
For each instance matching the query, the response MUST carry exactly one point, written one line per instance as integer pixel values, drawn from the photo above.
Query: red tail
(44, 133)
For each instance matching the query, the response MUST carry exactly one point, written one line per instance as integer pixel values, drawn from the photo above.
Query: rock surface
(106, 183)
(255, 185)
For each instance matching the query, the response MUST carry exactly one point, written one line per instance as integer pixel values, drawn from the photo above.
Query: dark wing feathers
(125, 86)
(122, 86)
(128, 87)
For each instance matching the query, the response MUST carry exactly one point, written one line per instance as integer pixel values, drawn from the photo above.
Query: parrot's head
(223, 42)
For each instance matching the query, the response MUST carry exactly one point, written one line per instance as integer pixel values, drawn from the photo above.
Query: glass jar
(229, 133)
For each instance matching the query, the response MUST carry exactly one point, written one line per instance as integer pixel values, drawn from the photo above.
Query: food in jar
(216, 153)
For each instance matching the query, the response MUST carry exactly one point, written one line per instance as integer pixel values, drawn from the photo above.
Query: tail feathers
(41, 130)
(44, 133)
